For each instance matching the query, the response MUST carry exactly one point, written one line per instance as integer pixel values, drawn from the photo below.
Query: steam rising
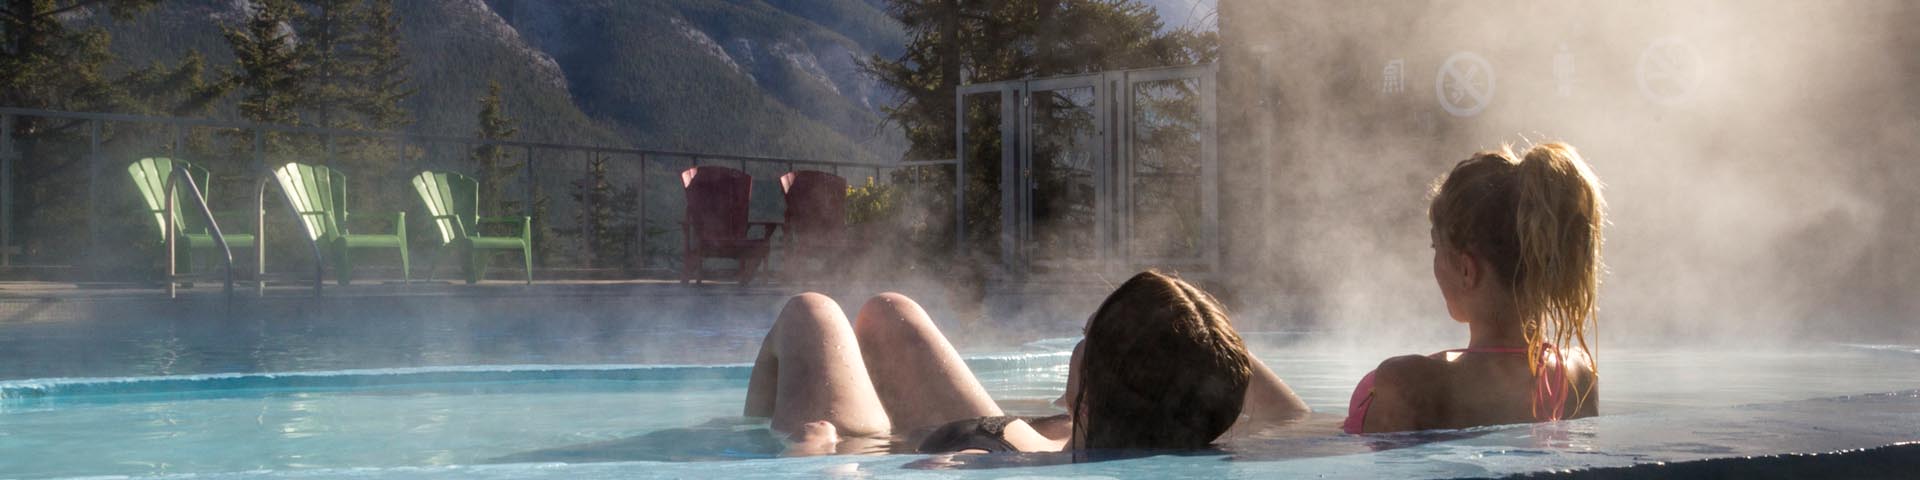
(1772, 200)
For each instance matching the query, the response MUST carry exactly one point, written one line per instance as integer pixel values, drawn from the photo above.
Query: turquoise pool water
(629, 420)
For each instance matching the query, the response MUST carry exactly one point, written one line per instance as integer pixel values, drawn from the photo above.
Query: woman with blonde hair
(1516, 254)
(1160, 368)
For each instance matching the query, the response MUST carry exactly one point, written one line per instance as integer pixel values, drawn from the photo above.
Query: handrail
(206, 213)
(412, 137)
(926, 163)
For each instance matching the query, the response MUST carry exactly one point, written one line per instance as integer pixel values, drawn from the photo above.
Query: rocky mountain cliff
(759, 77)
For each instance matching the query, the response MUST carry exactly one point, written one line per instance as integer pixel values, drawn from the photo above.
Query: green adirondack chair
(319, 196)
(150, 176)
(453, 200)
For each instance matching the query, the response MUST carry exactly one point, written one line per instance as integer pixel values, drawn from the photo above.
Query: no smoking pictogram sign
(1669, 70)
(1465, 84)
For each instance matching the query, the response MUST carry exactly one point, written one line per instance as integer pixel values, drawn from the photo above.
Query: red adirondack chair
(716, 225)
(816, 220)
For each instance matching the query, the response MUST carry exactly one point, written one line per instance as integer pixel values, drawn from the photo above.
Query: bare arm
(1270, 399)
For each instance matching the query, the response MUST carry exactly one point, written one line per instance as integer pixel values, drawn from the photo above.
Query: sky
(1177, 13)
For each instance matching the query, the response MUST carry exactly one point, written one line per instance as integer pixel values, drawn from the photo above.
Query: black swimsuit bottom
(978, 433)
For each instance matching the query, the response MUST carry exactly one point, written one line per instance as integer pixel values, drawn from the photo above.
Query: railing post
(7, 155)
(93, 193)
(526, 185)
(259, 219)
(640, 203)
(960, 173)
(526, 206)
(173, 239)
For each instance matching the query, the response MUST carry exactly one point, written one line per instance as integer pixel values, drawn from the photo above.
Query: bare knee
(810, 316)
(888, 310)
(893, 319)
(807, 302)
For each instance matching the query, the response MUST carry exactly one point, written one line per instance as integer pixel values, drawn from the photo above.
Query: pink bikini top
(1549, 394)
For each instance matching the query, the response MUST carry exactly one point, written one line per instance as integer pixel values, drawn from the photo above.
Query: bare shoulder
(1408, 368)
(1404, 390)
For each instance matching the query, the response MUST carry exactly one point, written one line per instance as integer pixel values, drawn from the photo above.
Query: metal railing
(181, 174)
(533, 156)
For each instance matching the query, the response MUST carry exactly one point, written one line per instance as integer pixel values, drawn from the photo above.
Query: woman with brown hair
(1160, 368)
(1516, 253)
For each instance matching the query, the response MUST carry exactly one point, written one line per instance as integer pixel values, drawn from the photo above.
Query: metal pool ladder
(179, 174)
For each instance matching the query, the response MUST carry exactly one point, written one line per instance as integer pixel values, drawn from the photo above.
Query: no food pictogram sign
(1465, 84)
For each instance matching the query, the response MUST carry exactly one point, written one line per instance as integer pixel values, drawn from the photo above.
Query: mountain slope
(716, 76)
(775, 78)
(455, 47)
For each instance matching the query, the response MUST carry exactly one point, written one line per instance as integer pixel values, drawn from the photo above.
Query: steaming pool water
(681, 421)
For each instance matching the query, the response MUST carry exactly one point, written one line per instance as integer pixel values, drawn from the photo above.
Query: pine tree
(272, 70)
(44, 64)
(178, 91)
(358, 70)
(327, 31)
(494, 167)
(605, 217)
(383, 84)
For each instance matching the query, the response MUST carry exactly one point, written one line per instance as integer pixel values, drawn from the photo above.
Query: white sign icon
(1393, 78)
(1563, 72)
(1669, 71)
(1465, 84)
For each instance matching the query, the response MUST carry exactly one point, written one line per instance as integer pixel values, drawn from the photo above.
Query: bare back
(1472, 389)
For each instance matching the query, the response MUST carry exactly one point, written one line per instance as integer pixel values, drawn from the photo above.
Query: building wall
(1775, 189)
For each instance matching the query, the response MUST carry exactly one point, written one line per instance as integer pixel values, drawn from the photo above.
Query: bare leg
(919, 377)
(810, 369)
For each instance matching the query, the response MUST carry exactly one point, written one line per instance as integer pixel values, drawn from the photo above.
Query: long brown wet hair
(1537, 218)
(1162, 369)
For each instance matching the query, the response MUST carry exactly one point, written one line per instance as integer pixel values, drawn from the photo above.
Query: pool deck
(1017, 312)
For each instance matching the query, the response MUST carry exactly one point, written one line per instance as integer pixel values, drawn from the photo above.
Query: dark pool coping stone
(1897, 461)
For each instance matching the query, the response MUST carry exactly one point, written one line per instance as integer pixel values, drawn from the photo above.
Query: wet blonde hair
(1162, 368)
(1537, 218)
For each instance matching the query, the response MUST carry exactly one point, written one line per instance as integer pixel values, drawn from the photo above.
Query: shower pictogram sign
(1465, 84)
(1393, 78)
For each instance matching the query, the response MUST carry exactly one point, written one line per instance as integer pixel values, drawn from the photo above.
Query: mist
(1763, 193)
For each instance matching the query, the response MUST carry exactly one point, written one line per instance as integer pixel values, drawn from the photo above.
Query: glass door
(1170, 215)
(1065, 208)
(987, 142)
